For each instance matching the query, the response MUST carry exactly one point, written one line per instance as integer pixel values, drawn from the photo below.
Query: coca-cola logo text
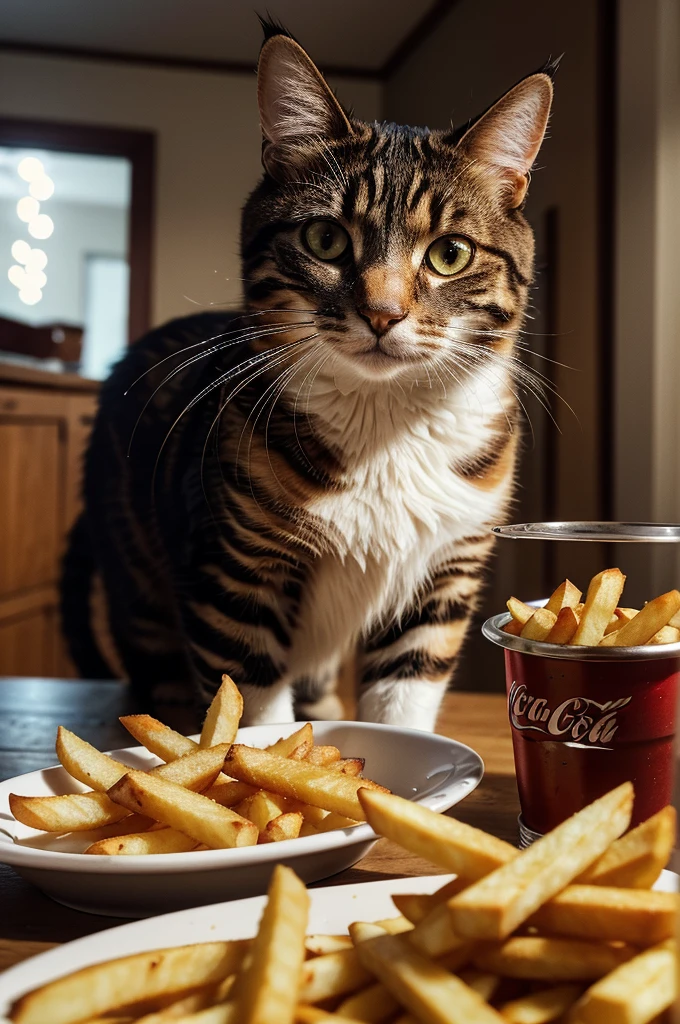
(575, 720)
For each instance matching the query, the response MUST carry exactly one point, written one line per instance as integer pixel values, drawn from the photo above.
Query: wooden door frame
(139, 147)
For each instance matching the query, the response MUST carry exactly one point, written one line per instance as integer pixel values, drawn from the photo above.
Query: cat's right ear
(296, 106)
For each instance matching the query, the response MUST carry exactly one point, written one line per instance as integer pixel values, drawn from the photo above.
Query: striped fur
(267, 491)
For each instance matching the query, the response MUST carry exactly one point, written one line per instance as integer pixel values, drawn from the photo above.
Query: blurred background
(129, 139)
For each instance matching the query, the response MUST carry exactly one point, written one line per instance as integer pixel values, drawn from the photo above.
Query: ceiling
(352, 34)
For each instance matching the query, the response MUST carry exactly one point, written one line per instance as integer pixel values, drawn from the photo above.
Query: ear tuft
(506, 139)
(296, 104)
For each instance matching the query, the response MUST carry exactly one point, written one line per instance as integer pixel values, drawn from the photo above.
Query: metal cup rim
(493, 631)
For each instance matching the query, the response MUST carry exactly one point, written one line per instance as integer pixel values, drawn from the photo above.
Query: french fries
(110, 828)
(269, 987)
(493, 907)
(602, 598)
(300, 781)
(588, 953)
(600, 621)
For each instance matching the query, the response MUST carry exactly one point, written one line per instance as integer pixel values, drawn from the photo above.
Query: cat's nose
(380, 320)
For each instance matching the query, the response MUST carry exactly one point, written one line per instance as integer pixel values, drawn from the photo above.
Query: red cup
(586, 719)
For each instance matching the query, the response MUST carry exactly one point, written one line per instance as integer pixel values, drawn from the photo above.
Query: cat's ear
(296, 106)
(504, 142)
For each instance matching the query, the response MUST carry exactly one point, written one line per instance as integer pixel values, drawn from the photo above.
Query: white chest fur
(401, 504)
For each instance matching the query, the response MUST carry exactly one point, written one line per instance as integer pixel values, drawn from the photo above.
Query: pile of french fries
(568, 930)
(293, 788)
(599, 621)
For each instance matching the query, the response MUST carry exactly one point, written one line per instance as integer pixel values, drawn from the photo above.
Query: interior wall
(647, 358)
(208, 154)
(477, 53)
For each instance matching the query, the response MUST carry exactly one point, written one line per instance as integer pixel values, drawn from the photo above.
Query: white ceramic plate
(332, 910)
(432, 770)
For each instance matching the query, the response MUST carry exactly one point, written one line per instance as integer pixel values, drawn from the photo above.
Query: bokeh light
(30, 168)
(17, 275)
(36, 259)
(28, 209)
(30, 295)
(41, 188)
(41, 226)
(21, 251)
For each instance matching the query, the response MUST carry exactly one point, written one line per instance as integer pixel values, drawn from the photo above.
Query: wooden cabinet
(45, 420)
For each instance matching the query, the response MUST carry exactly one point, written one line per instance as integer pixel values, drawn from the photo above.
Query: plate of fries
(597, 627)
(571, 929)
(183, 821)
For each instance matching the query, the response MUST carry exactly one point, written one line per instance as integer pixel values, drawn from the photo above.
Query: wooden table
(31, 709)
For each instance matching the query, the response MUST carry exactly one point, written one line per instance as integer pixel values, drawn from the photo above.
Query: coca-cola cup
(584, 720)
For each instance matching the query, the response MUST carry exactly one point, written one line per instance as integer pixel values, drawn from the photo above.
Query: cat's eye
(449, 255)
(325, 239)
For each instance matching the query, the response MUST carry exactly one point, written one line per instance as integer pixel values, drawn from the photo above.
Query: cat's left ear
(505, 141)
(296, 104)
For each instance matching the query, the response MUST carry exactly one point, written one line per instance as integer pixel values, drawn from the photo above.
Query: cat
(268, 490)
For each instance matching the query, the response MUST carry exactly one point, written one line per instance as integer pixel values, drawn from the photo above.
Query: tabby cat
(267, 490)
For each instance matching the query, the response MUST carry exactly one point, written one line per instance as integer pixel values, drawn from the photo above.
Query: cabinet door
(31, 488)
(28, 645)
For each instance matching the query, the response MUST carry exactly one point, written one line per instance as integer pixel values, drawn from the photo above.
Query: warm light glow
(35, 278)
(30, 295)
(21, 251)
(41, 226)
(41, 188)
(28, 208)
(17, 276)
(30, 168)
(35, 260)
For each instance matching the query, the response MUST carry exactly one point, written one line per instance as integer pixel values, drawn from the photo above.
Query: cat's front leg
(405, 669)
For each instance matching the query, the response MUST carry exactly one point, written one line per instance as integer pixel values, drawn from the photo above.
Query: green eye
(449, 255)
(325, 239)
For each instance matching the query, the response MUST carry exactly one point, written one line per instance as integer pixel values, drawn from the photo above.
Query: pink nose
(380, 320)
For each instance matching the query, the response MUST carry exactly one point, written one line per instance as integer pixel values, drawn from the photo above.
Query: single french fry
(435, 935)
(373, 1005)
(666, 635)
(394, 925)
(318, 945)
(634, 993)
(106, 987)
(349, 765)
(648, 621)
(636, 859)
(566, 596)
(319, 787)
(549, 1004)
(261, 808)
(269, 992)
(539, 625)
(285, 826)
(197, 816)
(313, 1015)
(416, 906)
(87, 764)
(494, 906)
(285, 746)
(333, 821)
(603, 596)
(550, 959)
(565, 626)
(164, 840)
(229, 792)
(74, 812)
(481, 982)
(335, 974)
(442, 840)
(307, 829)
(514, 627)
(429, 991)
(323, 756)
(160, 739)
(520, 611)
(223, 716)
(598, 912)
